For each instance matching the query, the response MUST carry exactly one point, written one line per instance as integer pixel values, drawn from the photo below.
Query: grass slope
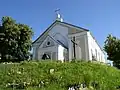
(47, 75)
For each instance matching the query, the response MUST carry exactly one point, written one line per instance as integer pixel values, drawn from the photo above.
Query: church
(66, 42)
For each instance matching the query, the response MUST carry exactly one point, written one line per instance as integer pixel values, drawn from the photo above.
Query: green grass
(36, 75)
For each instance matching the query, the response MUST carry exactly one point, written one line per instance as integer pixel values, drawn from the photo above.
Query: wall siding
(95, 49)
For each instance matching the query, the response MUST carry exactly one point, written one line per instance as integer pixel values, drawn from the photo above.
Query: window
(98, 56)
(48, 43)
(101, 57)
(96, 53)
(91, 52)
(93, 57)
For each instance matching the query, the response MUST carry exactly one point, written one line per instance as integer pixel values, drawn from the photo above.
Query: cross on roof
(57, 11)
(58, 16)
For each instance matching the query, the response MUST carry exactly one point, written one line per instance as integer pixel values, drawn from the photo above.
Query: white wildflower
(51, 70)
(18, 72)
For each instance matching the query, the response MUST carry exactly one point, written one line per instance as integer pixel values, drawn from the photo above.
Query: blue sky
(101, 17)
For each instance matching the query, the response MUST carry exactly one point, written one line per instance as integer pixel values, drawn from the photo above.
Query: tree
(2, 44)
(16, 39)
(112, 48)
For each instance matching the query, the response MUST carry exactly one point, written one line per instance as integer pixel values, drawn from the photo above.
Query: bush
(47, 75)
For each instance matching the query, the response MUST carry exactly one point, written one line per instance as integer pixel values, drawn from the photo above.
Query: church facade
(65, 42)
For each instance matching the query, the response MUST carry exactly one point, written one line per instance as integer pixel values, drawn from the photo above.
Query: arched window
(46, 56)
(93, 56)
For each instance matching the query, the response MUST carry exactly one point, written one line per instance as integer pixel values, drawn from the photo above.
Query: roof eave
(45, 31)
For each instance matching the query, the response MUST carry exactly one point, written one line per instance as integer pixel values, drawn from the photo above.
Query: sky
(101, 17)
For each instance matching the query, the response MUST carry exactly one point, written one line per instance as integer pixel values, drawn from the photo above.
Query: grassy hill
(47, 75)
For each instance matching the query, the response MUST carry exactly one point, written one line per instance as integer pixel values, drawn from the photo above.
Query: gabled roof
(57, 41)
(64, 23)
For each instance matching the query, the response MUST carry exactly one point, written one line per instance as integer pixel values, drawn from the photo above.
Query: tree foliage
(15, 39)
(112, 48)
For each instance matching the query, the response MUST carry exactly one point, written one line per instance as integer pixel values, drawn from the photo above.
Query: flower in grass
(18, 72)
(52, 70)
(41, 84)
(8, 84)
(8, 73)
(24, 83)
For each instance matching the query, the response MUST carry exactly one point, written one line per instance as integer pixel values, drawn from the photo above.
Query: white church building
(66, 42)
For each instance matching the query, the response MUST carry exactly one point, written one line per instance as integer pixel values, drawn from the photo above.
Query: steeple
(58, 16)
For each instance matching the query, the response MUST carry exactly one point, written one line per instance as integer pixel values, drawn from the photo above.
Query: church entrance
(46, 56)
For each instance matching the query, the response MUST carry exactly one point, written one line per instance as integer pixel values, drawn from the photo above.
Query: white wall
(60, 53)
(60, 33)
(95, 49)
(81, 41)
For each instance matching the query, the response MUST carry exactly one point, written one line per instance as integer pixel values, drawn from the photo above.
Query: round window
(48, 43)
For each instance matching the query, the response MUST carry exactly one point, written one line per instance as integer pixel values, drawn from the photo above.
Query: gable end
(64, 23)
